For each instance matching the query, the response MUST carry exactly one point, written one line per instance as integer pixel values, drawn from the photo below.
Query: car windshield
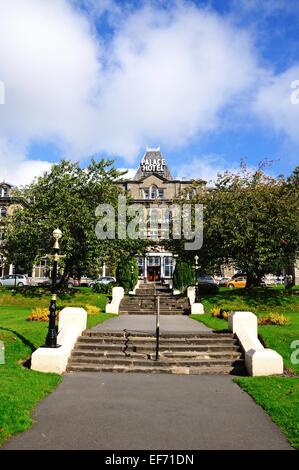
(205, 278)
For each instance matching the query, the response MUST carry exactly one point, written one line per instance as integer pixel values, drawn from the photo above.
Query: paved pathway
(138, 411)
(147, 323)
(148, 411)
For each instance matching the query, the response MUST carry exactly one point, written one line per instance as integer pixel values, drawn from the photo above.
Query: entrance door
(153, 273)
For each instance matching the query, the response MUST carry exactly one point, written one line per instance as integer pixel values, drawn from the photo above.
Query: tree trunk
(62, 284)
(253, 279)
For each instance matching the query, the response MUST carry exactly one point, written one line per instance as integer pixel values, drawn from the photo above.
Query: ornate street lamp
(132, 272)
(51, 339)
(197, 297)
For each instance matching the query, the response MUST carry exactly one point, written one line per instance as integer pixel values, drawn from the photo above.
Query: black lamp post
(197, 297)
(51, 339)
(132, 272)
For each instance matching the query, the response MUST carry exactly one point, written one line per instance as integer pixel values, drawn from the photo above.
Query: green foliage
(262, 303)
(279, 396)
(67, 197)
(274, 319)
(220, 313)
(183, 275)
(250, 220)
(208, 289)
(127, 273)
(104, 288)
(22, 388)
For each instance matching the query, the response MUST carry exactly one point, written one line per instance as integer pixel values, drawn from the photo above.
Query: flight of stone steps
(185, 353)
(145, 302)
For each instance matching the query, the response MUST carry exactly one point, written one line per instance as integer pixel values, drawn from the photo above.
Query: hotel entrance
(154, 273)
(156, 267)
(153, 268)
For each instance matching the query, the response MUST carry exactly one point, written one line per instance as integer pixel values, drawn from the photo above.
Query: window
(3, 212)
(146, 193)
(161, 193)
(168, 266)
(153, 261)
(154, 192)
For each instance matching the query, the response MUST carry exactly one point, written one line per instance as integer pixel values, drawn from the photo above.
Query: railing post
(157, 327)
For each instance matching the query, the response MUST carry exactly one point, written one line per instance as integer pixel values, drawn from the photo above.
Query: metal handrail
(157, 327)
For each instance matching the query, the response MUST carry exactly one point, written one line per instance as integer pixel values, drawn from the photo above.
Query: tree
(67, 197)
(250, 220)
(127, 273)
(183, 275)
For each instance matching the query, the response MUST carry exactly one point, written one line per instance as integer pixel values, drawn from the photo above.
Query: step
(129, 362)
(89, 356)
(216, 350)
(133, 334)
(215, 370)
(152, 340)
(142, 348)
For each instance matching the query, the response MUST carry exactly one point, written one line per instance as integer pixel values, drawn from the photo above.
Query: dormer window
(4, 191)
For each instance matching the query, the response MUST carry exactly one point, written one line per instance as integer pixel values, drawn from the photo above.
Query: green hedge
(124, 275)
(183, 275)
(104, 288)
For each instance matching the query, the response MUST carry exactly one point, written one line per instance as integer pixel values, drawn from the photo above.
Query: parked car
(207, 284)
(103, 280)
(236, 282)
(73, 282)
(86, 281)
(205, 280)
(222, 282)
(12, 280)
(269, 280)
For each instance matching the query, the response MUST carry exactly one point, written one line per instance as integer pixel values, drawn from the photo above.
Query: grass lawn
(279, 396)
(21, 388)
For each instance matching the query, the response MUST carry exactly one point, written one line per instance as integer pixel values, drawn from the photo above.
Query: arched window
(3, 212)
(154, 192)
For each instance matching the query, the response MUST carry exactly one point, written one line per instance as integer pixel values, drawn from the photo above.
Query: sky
(212, 82)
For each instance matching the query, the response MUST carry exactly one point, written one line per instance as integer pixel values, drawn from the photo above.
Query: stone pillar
(162, 271)
(104, 270)
(33, 271)
(145, 267)
(11, 267)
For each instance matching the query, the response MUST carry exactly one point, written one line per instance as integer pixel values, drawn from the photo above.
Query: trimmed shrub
(104, 288)
(220, 313)
(124, 275)
(92, 309)
(39, 314)
(274, 319)
(183, 275)
(208, 289)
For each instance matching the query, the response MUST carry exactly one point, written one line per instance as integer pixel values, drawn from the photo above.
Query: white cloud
(164, 77)
(130, 173)
(275, 106)
(205, 167)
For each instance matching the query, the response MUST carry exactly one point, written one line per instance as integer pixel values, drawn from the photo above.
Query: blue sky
(208, 81)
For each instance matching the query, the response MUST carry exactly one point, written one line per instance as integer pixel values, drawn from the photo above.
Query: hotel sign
(153, 165)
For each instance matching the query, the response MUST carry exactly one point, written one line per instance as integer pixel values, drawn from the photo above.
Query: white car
(12, 280)
(105, 280)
